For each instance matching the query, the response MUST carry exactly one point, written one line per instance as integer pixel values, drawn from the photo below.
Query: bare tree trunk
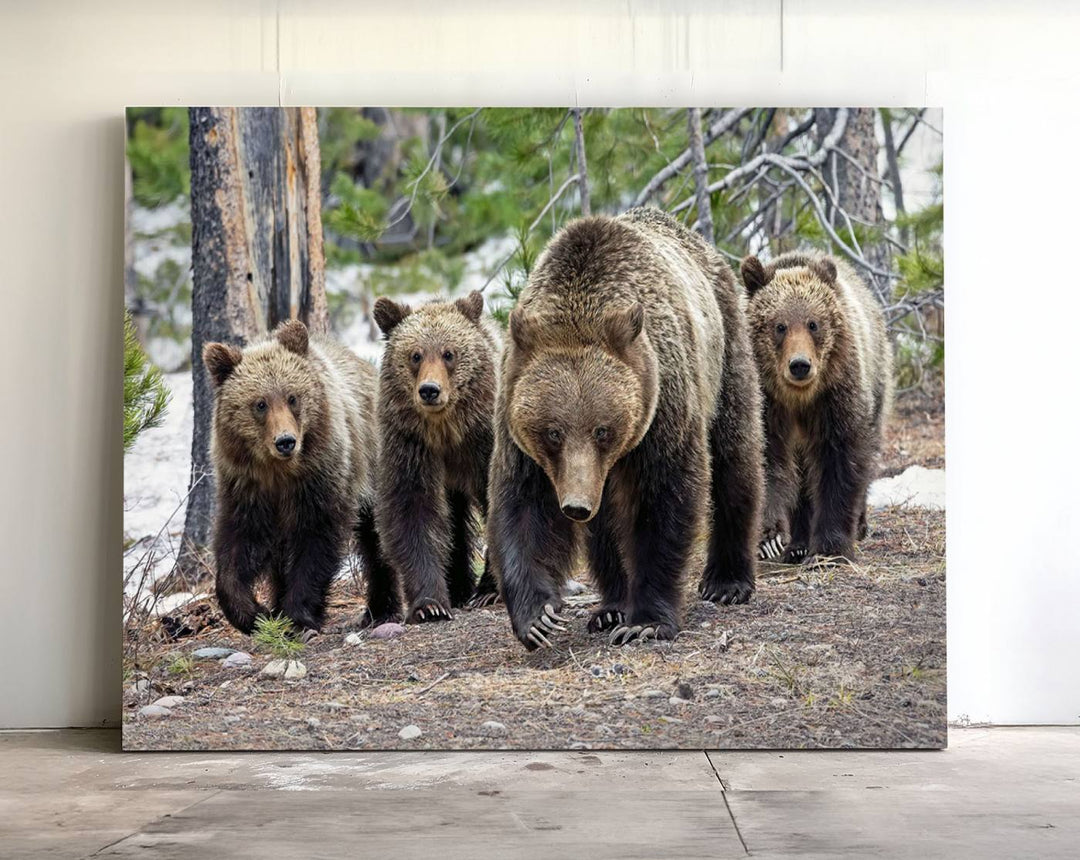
(892, 162)
(857, 185)
(704, 223)
(257, 259)
(583, 176)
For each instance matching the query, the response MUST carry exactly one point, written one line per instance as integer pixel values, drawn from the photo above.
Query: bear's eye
(448, 356)
(416, 358)
(781, 328)
(812, 325)
(601, 434)
(292, 399)
(554, 436)
(260, 406)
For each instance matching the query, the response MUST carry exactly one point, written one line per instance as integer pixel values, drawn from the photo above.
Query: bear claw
(546, 624)
(626, 633)
(481, 600)
(605, 619)
(771, 549)
(728, 594)
(430, 610)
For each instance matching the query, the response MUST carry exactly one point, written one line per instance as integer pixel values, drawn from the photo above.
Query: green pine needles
(145, 394)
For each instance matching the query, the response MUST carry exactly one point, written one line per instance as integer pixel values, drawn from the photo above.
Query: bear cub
(436, 399)
(628, 419)
(825, 364)
(293, 444)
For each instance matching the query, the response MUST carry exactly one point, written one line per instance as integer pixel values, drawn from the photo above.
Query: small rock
(778, 702)
(493, 729)
(212, 653)
(353, 639)
(921, 581)
(313, 722)
(410, 732)
(654, 694)
(684, 691)
(572, 588)
(274, 669)
(168, 702)
(678, 700)
(705, 625)
(619, 669)
(712, 694)
(580, 745)
(413, 677)
(232, 719)
(235, 661)
(596, 671)
(153, 712)
(141, 686)
(295, 671)
(334, 706)
(713, 718)
(389, 630)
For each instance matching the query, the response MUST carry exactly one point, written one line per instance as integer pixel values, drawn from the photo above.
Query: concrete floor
(994, 793)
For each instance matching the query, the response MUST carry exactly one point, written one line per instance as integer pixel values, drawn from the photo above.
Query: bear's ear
(220, 361)
(293, 335)
(471, 305)
(622, 327)
(388, 314)
(824, 269)
(523, 329)
(753, 274)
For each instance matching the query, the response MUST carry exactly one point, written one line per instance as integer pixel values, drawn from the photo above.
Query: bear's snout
(799, 367)
(285, 444)
(577, 510)
(429, 393)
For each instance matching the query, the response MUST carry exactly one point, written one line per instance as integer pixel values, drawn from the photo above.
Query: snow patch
(915, 487)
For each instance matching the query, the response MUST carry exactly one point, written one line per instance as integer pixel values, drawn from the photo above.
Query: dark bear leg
(781, 487)
(800, 529)
(383, 602)
(736, 491)
(863, 529)
(317, 557)
(486, 592)
(531, 545)
(459, 572)
(240, 556)
(661, 511)
(838, 469)
(608, 571)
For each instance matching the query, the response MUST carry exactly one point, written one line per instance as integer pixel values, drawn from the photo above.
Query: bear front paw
(605, 618)
(794, 554)
(482, 598)
(538, 632)
(624, 633)
(726, 593)
(426, 610)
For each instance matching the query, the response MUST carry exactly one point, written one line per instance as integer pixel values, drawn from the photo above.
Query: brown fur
(289, 514)
(823, 431)
(433, 466)
(628, 394)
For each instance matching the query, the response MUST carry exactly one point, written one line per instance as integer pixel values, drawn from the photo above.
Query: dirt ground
(851, 656)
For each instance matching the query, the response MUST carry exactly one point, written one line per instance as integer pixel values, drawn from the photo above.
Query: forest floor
(850, 656)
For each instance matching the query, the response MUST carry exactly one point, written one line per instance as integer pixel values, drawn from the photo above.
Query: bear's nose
(799, 367)
(576, 511)
(285, 443)
(429, 392)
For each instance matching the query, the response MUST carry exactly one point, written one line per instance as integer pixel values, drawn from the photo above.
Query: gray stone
(677, 700)
(493, 729)
(212, 653)
(313, 722)
(654, 694)
(169, 701)
(295, 671)
(153, 712)
(237, 660)
(572, 588)
(389, 630)
(353, 639)
(274, 669)
(580, 745)
(232, 719)
(141, 686)
(410, 733)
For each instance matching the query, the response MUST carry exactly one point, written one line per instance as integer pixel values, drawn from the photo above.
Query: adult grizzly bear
(628, 397)
(293, 444)
(436, 399)
(825, 364)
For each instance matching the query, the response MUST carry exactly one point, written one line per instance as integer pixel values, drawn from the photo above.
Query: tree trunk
(583, 175)
(257, 259)
(892, 162)
(857, 187)
(704, 223)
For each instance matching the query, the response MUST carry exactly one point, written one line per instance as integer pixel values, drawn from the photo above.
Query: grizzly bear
(628, 400)
(825, 364)
(293, 444)
(436, 399)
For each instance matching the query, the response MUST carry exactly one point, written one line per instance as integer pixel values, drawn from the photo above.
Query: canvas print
(523, 428)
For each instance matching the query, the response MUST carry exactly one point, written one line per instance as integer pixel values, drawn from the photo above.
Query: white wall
(1006, 78)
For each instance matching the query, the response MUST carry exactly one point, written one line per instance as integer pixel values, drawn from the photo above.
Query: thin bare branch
(583, 175)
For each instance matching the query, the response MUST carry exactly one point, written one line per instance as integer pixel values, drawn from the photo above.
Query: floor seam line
(727, 806)
(116, 842)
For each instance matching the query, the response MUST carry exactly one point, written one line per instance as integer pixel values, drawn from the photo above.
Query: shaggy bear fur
(436, 399)
(628, 399)
(293, 445)
(825, 364)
